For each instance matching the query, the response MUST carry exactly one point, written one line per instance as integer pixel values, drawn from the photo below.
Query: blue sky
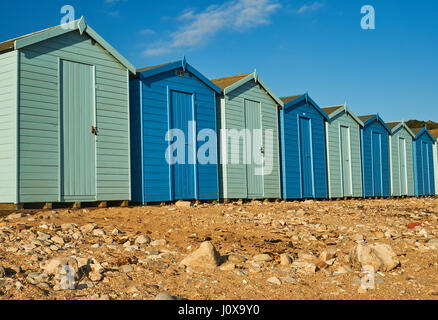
(296, 46)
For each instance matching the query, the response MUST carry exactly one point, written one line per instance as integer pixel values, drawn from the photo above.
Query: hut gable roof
(418, 132)
(292, 101)
(291, 98)
(80, 25)
(155, 67)
(161, 68)
(330, 110)
(334, 111)
(230, 84)
(374, 117)
(396, 125)
(228, 81)
(392, 125)
(366, 118)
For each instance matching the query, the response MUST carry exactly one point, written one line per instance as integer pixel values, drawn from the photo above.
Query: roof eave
(403, 124)
(72, 26)
(377, 117)
(419, 134)
(347, 111)
(176, 65)
(254, 76)
(204, 79)
(239, 83)
(306, 97)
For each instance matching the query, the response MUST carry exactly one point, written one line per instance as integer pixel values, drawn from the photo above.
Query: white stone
(433, 243)
(262, 258)
(58, 240)
(158, 243)
(183, 204)
(304, 267)
(142, 240)
(379, 256)
(85, 229)
(54, 265)
(205, 257)
(285, 260)
(274, 280)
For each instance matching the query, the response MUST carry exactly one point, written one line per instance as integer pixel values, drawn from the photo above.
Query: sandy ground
(302, 230)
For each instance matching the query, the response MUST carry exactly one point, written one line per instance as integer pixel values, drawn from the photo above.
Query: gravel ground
(268, 251)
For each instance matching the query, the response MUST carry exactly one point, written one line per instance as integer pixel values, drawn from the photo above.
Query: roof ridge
(226, 82)
(36, 32)
(156, 66)
(335, 106)
(235, 76)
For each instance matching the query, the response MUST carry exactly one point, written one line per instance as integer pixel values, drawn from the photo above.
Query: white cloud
(198, 27)
(146, 32)
(114, 14)
(112, 4)
(311, 7)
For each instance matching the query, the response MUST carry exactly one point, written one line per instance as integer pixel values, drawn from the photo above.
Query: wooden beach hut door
(346, 162)
(306, 157)
(377, 164)
(426, 168)
(253, 123)
(78, 159)
(183, 173)
(403, 166)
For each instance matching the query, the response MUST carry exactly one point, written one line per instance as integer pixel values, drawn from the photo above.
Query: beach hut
(401, 159)
(423, 162)
(376, 174)
(249, 145)
(64, 102)
(173, 134)
(303, 148)
(435, 158)
(344, 164)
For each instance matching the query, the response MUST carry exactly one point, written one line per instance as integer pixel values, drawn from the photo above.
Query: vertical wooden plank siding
(397, 164)
(253, 122)
(8, 127)
(370, 158)
(39, 124)
(136, 140)
(292, 173)
(424, 171)
(435, 165)
(78, 142)
(335, 172)
(234, 175)
(222, 166)
(156, 93)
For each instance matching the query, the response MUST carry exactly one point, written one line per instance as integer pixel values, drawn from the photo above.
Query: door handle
(262, 150)
(94, 130)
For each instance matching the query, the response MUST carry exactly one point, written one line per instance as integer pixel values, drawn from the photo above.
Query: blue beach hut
(375, 157)
(303, 148)
(173, 106)
(423, 162)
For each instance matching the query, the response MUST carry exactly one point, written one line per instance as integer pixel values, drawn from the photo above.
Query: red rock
(413, 225)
